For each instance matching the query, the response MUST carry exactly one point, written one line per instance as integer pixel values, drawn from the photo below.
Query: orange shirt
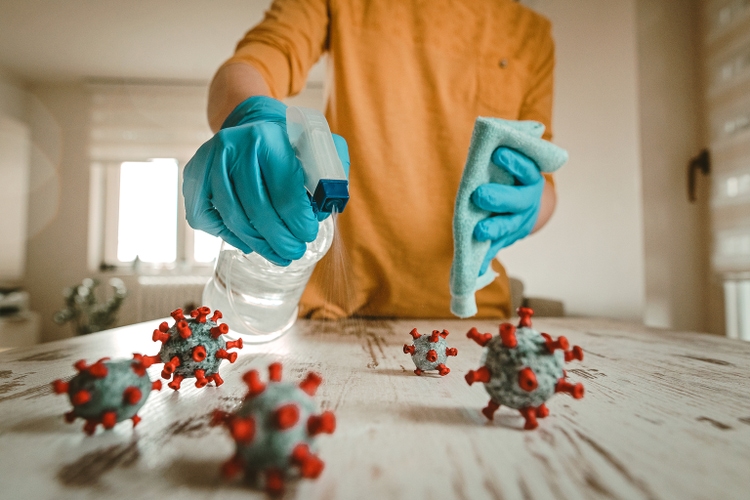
(406, 80)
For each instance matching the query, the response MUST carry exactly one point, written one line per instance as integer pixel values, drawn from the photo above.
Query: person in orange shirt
(406, 81)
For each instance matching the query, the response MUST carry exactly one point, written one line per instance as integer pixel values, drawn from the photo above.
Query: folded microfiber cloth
(468, 253)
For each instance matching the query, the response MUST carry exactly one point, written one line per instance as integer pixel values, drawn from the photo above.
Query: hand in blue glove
(246, 186)
(515, 208)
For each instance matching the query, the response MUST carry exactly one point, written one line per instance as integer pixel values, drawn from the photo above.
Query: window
(147, 212)
(141, 137)
(205, 247)
(144, 219)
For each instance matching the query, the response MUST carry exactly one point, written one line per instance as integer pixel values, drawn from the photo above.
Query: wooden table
(666, 415)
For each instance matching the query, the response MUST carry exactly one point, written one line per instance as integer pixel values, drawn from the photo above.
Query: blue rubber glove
(246, 186)
(515, 209)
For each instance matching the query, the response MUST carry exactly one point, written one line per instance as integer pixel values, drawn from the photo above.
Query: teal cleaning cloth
(468, 253)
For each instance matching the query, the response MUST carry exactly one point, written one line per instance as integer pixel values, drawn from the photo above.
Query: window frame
(105, 207)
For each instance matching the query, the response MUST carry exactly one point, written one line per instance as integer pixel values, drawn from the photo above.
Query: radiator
(737, 306)
(160, 295)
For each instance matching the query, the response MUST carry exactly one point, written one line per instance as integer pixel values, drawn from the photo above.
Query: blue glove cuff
(256, 108)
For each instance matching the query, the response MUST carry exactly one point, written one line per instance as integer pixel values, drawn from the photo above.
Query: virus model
(193, 347)
(107, 392)
(274, 429)
(430, 352)
(523, 368)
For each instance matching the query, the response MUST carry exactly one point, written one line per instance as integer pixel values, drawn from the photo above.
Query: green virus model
(193, 347)
(523, 368)
(430, 352)
(274, 430)
(107, 392)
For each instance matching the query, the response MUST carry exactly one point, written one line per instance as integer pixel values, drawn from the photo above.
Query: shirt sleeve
(537, 102)
(284, 46)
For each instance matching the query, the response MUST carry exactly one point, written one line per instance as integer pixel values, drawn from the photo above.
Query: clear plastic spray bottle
(258, 298)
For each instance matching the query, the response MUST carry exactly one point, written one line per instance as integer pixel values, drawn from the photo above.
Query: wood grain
(666, 415)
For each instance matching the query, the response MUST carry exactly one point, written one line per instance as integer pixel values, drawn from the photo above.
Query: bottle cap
(330, 195)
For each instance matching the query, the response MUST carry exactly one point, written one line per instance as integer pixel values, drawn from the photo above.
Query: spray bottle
(258, 298)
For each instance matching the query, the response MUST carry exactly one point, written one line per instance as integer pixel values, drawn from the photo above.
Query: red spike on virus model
(107, 392)
(193, 348)
(522, 368)
(274, 429)
(430, 352)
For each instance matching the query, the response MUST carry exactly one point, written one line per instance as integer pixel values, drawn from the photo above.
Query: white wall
(591, 253)
(12, 96)
(14, 172)
(676, 231)
(58, 199)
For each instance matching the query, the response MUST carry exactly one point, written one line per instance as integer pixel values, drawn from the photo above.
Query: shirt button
(503, 63)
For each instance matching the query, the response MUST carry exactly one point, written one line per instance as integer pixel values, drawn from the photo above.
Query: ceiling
(72, 40)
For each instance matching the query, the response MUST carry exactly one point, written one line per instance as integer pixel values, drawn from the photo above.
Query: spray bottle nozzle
(330, 195)
(313, 145)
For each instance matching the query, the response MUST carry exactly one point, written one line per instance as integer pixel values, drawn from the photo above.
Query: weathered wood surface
(666, 415)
